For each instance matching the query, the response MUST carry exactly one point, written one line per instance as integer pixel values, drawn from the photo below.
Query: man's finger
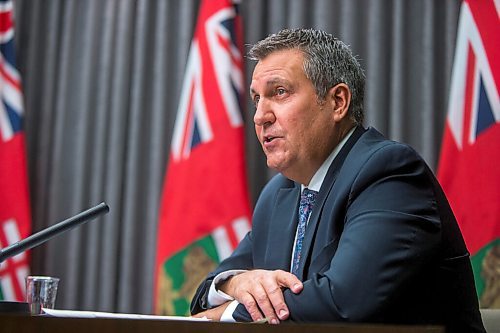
(251, 305)
(265, 303)
(275, 295)
(288, 280)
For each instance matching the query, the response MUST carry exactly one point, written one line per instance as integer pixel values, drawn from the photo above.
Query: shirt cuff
(227, 315)
(217, 297)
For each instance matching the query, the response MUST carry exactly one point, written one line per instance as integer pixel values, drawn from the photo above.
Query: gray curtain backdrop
(102, 79)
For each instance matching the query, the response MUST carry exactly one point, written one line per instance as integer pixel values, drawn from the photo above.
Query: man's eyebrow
(274, 81)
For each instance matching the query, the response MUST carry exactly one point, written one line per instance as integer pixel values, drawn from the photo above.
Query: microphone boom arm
(54, 230)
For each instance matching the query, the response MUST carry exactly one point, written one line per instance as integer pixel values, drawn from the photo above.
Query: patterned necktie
(305, 207)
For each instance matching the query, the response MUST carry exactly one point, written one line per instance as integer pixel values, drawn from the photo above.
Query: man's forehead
(277, 65)
(273, 80)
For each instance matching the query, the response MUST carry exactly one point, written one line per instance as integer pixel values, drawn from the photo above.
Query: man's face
(294, 128)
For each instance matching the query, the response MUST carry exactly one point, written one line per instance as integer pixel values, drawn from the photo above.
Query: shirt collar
(319, 176)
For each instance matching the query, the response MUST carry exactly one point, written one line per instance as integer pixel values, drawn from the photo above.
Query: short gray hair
(327, 62)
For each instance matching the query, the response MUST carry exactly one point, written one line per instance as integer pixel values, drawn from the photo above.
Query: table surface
(23, 323)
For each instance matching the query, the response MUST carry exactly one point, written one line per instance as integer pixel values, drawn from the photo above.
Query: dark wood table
(39, 324)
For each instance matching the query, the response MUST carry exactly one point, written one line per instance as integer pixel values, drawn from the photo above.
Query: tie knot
(308, 197)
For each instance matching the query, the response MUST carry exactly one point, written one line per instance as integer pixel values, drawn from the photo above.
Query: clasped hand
(261, 292)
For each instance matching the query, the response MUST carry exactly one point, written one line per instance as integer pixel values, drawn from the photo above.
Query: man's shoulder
(373, 142)
(374, 153)
(278, 182)
(273, 187)
(281, 181)
(270, 194)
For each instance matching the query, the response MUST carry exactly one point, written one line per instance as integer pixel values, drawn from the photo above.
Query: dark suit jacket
(382, 244)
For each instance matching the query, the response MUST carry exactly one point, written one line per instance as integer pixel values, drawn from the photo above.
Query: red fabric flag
(470, 153)
(15, 222)
(205, 206)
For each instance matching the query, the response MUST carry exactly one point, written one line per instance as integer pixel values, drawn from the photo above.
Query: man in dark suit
(355, 227)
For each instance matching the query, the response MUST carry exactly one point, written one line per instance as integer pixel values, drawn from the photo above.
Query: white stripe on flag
(241, 227)
(5, 7)
(12, 96)
(9, 69)
(222, 243)
(7, 288)
(7, 35)
(3, 263)
(182, 111)
(21, 274)
(6, 130)
(12, 234)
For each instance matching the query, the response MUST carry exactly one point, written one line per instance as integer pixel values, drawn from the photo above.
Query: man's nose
(263, 113)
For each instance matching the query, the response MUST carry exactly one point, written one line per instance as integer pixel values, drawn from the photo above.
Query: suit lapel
(283, 226)
(326, 187)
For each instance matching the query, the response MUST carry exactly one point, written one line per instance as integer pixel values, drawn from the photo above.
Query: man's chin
(276, 166)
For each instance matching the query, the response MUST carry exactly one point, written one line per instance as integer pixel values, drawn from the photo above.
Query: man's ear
(340, 98)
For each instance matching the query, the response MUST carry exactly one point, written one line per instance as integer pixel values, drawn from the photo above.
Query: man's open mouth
(268, 139)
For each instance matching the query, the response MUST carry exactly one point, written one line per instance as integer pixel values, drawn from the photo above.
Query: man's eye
(280, 91)
(256, 100)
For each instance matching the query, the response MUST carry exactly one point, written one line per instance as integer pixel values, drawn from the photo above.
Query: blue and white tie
(305, 207)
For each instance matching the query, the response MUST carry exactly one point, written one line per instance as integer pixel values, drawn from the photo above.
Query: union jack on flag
(470, 155)
(474, 102)
(205, 206)
(11, 108)
(14, 201)
(214, 67)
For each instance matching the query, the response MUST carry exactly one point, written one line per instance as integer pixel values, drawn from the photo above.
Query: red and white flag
(205, 205)
(470, 155)
(15, 221)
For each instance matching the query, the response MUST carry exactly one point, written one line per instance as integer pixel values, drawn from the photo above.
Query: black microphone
(54, 230)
